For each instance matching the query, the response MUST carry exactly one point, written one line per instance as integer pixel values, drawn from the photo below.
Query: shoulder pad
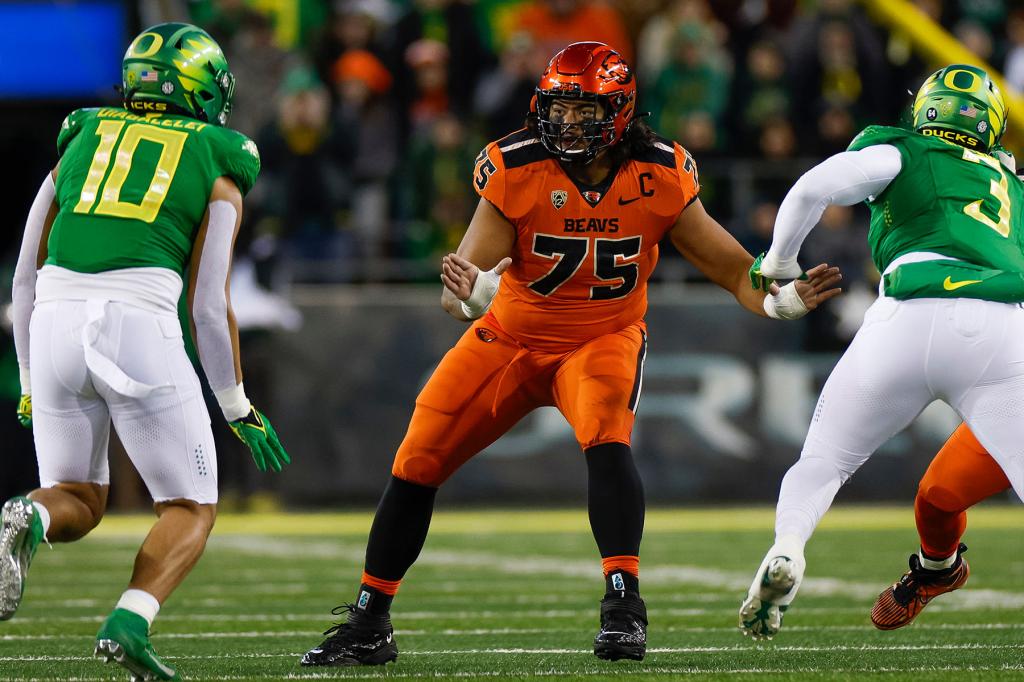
(521, 148)
(70, 127)
(873, 135)
(237, 156)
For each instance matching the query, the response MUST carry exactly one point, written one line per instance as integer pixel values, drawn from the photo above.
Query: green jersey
(132, 190)
(946, 199)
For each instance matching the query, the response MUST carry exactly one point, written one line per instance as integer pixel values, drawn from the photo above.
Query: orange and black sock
(396, 537)
(621, 574)
(615, 502)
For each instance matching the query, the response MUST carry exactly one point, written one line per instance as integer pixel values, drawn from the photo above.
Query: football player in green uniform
(946, 234)
(143, 198)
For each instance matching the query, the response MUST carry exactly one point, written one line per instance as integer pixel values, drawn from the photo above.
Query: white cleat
(775, 585)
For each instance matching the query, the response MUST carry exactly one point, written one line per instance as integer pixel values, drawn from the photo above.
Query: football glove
(758, 282)
(259, 436)
(25, 410)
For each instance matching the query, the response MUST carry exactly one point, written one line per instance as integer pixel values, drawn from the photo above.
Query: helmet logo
(982, 126)
(931, 113)
(615, 69)
(157, 41)
(559, 197)
(131, 79)
(946, 108)
(167, 87)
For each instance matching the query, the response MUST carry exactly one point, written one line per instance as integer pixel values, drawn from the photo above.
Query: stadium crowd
(379, 107)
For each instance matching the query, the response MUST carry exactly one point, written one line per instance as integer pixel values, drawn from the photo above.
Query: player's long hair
(638, 138)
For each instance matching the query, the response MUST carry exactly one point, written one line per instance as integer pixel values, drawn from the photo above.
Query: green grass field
(502, 595)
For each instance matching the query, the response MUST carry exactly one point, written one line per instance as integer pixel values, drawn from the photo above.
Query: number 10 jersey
(583, 254)
(132, 190)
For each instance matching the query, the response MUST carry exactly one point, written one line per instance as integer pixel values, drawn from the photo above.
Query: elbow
(210, 313)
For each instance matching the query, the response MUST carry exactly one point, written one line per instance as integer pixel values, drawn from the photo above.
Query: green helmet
(961, 104)
(177, 68)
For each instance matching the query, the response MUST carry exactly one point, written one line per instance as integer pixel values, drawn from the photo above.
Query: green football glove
(259, 436)
(25, 410)
(758, 282)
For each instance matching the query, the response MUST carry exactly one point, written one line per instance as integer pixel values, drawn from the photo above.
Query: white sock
(933, 565)
(44, 516)
(140, 602)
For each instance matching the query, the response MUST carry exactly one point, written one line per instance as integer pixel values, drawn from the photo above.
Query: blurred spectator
(222, 19)
(352, 25)
(305, 185)
(503, 96)
(975, 37)
(836, 129)
(1014, 67)
(259, 67)
(760, 90)
(756, 235)
(367, 115)
(553, 24)
(657, 40)
(452, 23)
(428, 60)
(438, 197)
(837, 60)
(695, 80)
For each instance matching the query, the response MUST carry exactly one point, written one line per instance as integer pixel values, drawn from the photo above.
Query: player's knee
(201, 516)
(91, 504)
(420, 469)
(940, 496)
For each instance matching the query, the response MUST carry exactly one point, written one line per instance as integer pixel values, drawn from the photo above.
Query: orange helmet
(590, 72)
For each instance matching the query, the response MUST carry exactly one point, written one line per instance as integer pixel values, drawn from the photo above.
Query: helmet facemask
(562, 139)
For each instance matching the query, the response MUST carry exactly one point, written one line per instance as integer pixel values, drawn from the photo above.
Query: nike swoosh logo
(950, 285)
(623, 202)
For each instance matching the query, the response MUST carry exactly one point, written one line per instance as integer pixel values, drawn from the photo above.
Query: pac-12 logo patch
(486, 335)
(559, 197)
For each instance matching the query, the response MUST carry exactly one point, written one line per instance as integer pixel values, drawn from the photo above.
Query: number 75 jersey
(132, 190)
(582, 254)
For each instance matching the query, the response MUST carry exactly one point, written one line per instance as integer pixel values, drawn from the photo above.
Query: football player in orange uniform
(961, 475)
(552, 274)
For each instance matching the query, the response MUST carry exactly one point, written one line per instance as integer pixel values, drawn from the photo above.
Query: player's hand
(259, 436)
(459, 275)
(819, 285)
(25, 410)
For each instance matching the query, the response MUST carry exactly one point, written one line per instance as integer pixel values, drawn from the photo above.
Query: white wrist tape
(26, 380)
(484, 289)
(785, 305)
(780, 268)
(233, 402)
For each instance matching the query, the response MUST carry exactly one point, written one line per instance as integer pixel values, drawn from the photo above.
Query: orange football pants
(488, 382)
(960, 476)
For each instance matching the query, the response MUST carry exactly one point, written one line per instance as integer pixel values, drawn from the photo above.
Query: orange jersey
(582, 255)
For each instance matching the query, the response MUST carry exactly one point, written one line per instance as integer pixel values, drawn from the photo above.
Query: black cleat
(361, 640)
(623, 632)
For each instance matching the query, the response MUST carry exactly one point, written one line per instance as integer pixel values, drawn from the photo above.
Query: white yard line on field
(731, 581)
(737, 649)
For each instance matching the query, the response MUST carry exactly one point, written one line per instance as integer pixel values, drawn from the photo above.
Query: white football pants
(96, 361)
(967, 353)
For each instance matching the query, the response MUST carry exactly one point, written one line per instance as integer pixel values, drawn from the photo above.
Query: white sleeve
(844, 179)
(23, 289)
(210, 311)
